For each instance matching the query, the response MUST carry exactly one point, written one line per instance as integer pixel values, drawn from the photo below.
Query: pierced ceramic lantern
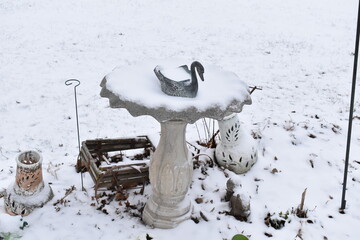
(28, 191)
(237, 150)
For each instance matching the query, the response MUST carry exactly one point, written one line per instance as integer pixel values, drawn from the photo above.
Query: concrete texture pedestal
(170, 176)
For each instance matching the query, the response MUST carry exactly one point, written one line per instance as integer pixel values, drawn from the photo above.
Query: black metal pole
(343, 201)
(68, 83)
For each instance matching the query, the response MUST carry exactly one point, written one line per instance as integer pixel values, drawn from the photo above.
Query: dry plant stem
(214, 135)
(254, 88)
(52, 172)
(68, 192)
(204, 217)
(202, 154)
(205, 128)
(299, 233)
(197, 129)
(2, 153)
(213, 127)
(303, 200)
(209, 135)
(208, 127)
(192, 145)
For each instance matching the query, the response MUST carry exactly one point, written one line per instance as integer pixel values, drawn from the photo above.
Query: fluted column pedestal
(170, 177)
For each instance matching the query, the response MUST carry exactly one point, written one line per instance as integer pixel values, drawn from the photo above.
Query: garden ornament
(28, 191)
(184, 88)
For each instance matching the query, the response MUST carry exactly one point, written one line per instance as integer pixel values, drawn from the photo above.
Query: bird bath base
(170, 177)
(162, 216)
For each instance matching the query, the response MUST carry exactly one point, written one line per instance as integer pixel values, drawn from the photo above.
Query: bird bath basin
(137, 89)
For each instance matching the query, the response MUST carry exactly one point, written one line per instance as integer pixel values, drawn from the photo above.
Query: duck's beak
(201, 75)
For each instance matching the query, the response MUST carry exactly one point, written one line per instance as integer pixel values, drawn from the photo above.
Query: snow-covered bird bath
(137, 89)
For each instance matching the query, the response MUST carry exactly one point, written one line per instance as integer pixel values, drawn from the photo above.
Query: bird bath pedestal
(137, 89)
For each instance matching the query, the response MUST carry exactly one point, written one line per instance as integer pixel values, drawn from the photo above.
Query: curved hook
(71, 81)
(68, 83)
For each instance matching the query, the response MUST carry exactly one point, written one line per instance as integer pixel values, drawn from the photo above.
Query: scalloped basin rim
(137, 89)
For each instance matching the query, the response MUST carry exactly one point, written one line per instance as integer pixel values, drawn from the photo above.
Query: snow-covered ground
(299, 51)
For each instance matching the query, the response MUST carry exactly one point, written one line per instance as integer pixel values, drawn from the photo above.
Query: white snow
(174, 73)
(299, 52)
(37, 199)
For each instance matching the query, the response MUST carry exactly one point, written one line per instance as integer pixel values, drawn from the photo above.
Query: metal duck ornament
(184, 88)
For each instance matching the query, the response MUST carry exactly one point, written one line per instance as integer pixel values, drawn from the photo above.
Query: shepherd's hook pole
(343, 201)
(77, 83)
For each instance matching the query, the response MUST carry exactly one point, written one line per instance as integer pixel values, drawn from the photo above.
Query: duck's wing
(186, 68)
(180, 72)
(167, 80)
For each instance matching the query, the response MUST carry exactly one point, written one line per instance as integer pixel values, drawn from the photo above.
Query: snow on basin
(138, 83)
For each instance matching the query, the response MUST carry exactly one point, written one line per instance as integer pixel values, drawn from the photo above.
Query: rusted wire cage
(104, 160)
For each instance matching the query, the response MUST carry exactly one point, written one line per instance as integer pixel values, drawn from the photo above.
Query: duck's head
(199, 68)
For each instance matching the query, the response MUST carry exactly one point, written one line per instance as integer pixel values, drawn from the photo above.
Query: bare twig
(67, 193)
(192, 145)
(299, 233)
(203, 154)
(211, 143)
(52, 171)
(203, 216)
(2, 192)
(209, 135)
(213, 127)
(254, 88)
(2, 153)
(205, 129)
(198, 132)
(209, 130)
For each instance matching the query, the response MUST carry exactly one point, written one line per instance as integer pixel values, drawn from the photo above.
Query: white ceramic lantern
(237, 150)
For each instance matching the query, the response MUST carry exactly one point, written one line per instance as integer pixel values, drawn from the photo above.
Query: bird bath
(137, 89)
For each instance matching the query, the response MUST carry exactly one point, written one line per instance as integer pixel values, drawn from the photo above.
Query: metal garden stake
(68, 83)
(343, 201)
